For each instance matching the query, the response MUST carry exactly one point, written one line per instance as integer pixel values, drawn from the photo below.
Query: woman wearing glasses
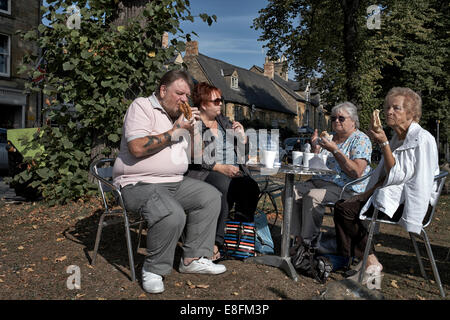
(402, 186)
(223, 164)
(349, 152)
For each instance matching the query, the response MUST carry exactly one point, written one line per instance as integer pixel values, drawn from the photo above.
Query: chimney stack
(281, 68)
(269, 68)
(192, 48)
(165, 40)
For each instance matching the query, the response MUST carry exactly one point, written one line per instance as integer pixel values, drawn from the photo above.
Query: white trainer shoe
(152, 282)
(202, 266)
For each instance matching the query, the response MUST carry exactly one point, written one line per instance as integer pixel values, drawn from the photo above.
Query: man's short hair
(173, 75)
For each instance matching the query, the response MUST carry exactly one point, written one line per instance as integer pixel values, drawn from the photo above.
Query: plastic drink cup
(306, 157)
(269, 158)
(297, 158)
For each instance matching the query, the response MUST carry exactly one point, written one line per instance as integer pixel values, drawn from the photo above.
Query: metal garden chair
(344, 188)
(440, 179)
(329, 246)
(271, 189)
(102, 170)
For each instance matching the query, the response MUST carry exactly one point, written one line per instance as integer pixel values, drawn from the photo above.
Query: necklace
(211, 123)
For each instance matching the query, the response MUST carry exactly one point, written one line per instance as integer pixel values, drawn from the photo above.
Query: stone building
(247, 94)
(18, 108)
(265, 94)
(310, 112)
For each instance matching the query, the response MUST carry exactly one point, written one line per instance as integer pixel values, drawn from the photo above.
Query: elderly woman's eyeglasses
(216, 101)
(340, 118)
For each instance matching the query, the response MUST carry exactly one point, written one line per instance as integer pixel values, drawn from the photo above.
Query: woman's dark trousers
(242, 192)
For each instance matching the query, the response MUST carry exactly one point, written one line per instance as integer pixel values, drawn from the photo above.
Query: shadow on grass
(112, 247)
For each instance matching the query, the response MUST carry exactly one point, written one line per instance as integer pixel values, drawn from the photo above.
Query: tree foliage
(329, 41)
(92, 73)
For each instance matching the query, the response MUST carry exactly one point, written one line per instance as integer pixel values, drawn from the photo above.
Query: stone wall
(194, 69)
(271, 119)
(24, 16)
(237, 111)
(296, 106)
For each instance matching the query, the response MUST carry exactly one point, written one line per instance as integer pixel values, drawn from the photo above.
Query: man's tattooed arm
(156, 141)
(149, 145)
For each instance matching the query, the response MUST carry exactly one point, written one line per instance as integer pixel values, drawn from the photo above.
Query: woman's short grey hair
(348, 107)
(412, 103)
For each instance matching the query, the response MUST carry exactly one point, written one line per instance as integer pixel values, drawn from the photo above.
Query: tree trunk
(128, 9)
(350, 8)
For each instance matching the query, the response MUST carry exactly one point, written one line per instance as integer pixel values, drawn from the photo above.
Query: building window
(5, 57)
(238, 113)
(5, 6)
(234, 82)
(306, 122)
(320, 117)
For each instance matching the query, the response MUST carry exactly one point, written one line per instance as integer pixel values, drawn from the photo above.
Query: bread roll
(376, 122)
(186, 109)
(325, 135)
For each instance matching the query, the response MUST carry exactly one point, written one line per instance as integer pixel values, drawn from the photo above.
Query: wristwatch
(335, 151)
(384, 143)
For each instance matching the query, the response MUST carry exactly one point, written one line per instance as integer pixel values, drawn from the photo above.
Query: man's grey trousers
(192, 206)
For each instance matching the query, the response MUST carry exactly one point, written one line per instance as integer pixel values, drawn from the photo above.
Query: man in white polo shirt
(150, 172)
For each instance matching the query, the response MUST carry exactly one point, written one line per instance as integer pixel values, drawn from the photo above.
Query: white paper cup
(324, 158)
(297, 158)
(306, 157)
(268, 158)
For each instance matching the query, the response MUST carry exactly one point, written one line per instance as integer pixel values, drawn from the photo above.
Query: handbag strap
(262, 241)
(238, 240)
(311, 252)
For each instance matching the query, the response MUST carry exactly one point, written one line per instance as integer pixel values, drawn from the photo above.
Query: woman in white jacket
(401, 187)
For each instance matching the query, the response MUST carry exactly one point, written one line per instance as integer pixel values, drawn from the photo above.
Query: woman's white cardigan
(410, 180)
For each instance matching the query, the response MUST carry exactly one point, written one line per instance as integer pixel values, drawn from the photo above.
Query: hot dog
(186, 109)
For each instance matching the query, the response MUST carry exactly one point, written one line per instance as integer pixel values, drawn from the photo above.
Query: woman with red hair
(223, 166)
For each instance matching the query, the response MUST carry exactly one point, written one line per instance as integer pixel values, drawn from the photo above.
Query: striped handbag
(239, 240)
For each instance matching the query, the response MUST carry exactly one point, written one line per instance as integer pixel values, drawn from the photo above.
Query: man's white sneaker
(203, 266)
(152, 282)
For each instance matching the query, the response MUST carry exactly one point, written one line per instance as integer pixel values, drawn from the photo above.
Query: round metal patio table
(283, 261)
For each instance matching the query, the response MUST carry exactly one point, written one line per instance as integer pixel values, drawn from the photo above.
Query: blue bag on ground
(264, 242)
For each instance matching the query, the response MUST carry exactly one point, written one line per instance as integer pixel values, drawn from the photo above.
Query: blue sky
(230, 39)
